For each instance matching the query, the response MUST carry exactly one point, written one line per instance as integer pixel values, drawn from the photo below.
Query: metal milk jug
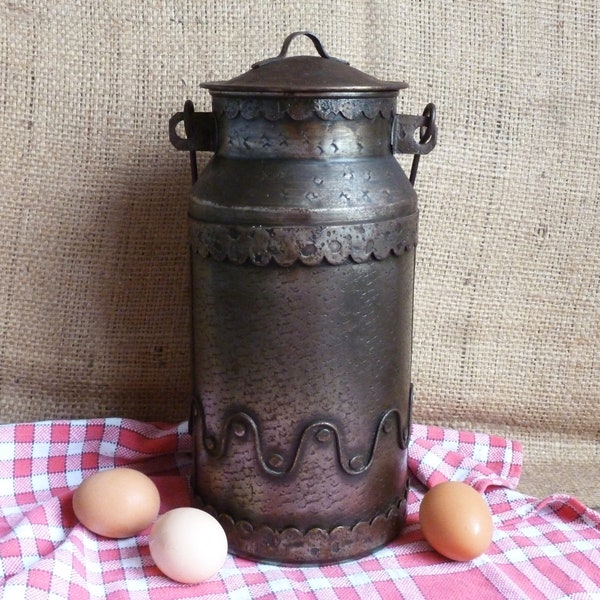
(303, 229)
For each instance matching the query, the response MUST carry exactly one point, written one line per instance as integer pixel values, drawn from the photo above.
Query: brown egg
(116, 503)
(456, 520)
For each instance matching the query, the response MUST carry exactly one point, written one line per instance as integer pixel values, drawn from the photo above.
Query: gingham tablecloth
(542, 548)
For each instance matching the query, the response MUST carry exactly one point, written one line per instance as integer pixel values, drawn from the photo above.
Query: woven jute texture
(94, 265)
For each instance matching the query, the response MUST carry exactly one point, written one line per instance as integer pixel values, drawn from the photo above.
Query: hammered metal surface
(303, 382)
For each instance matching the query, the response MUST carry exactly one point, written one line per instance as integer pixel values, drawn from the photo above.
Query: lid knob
(304, 76)
(286, 45)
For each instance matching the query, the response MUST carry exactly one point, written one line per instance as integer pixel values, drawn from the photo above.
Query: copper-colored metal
(303, 230)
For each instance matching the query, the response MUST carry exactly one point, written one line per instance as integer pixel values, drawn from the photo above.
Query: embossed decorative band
(317, 544)
(240, 425)
(300, 109)
(286, 245)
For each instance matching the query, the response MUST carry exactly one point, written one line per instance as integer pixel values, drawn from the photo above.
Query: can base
(318, 546)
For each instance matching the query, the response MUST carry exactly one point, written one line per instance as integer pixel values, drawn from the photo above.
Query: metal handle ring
(286, 46)
(188, 113)
(426, 133)
(428, 130)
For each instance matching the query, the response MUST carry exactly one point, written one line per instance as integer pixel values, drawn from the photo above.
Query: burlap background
(93, 257)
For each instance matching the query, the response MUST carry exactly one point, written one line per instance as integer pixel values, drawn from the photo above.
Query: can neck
(308, 139)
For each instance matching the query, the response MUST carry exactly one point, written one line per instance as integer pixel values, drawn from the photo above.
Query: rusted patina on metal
(303, 230)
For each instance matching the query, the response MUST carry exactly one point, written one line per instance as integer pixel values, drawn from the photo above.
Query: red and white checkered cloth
(546, 548)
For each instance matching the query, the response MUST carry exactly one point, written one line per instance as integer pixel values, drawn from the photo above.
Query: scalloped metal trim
(241, 424)
(315, 546)
(285, 245)
(300, 109)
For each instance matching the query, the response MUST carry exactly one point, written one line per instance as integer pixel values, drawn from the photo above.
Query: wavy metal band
(300, 109)
(241, 424)
(286, 245)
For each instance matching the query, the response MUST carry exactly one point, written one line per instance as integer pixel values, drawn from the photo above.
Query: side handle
(200, 133)
(404, 141)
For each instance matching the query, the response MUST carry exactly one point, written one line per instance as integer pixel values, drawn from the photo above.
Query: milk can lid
(305, 76)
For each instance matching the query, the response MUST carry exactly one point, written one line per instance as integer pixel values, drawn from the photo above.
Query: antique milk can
(303, 229)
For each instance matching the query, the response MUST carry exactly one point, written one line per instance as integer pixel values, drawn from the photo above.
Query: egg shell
(456, 521)
(188, 545)
(116, 503)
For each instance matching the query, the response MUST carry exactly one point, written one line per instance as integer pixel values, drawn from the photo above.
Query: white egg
(188, 545)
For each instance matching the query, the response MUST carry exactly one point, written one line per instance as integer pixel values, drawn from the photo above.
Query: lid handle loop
(286, 45)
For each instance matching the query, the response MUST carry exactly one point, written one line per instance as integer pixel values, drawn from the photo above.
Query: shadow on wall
(100, 319)
(145, 299)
